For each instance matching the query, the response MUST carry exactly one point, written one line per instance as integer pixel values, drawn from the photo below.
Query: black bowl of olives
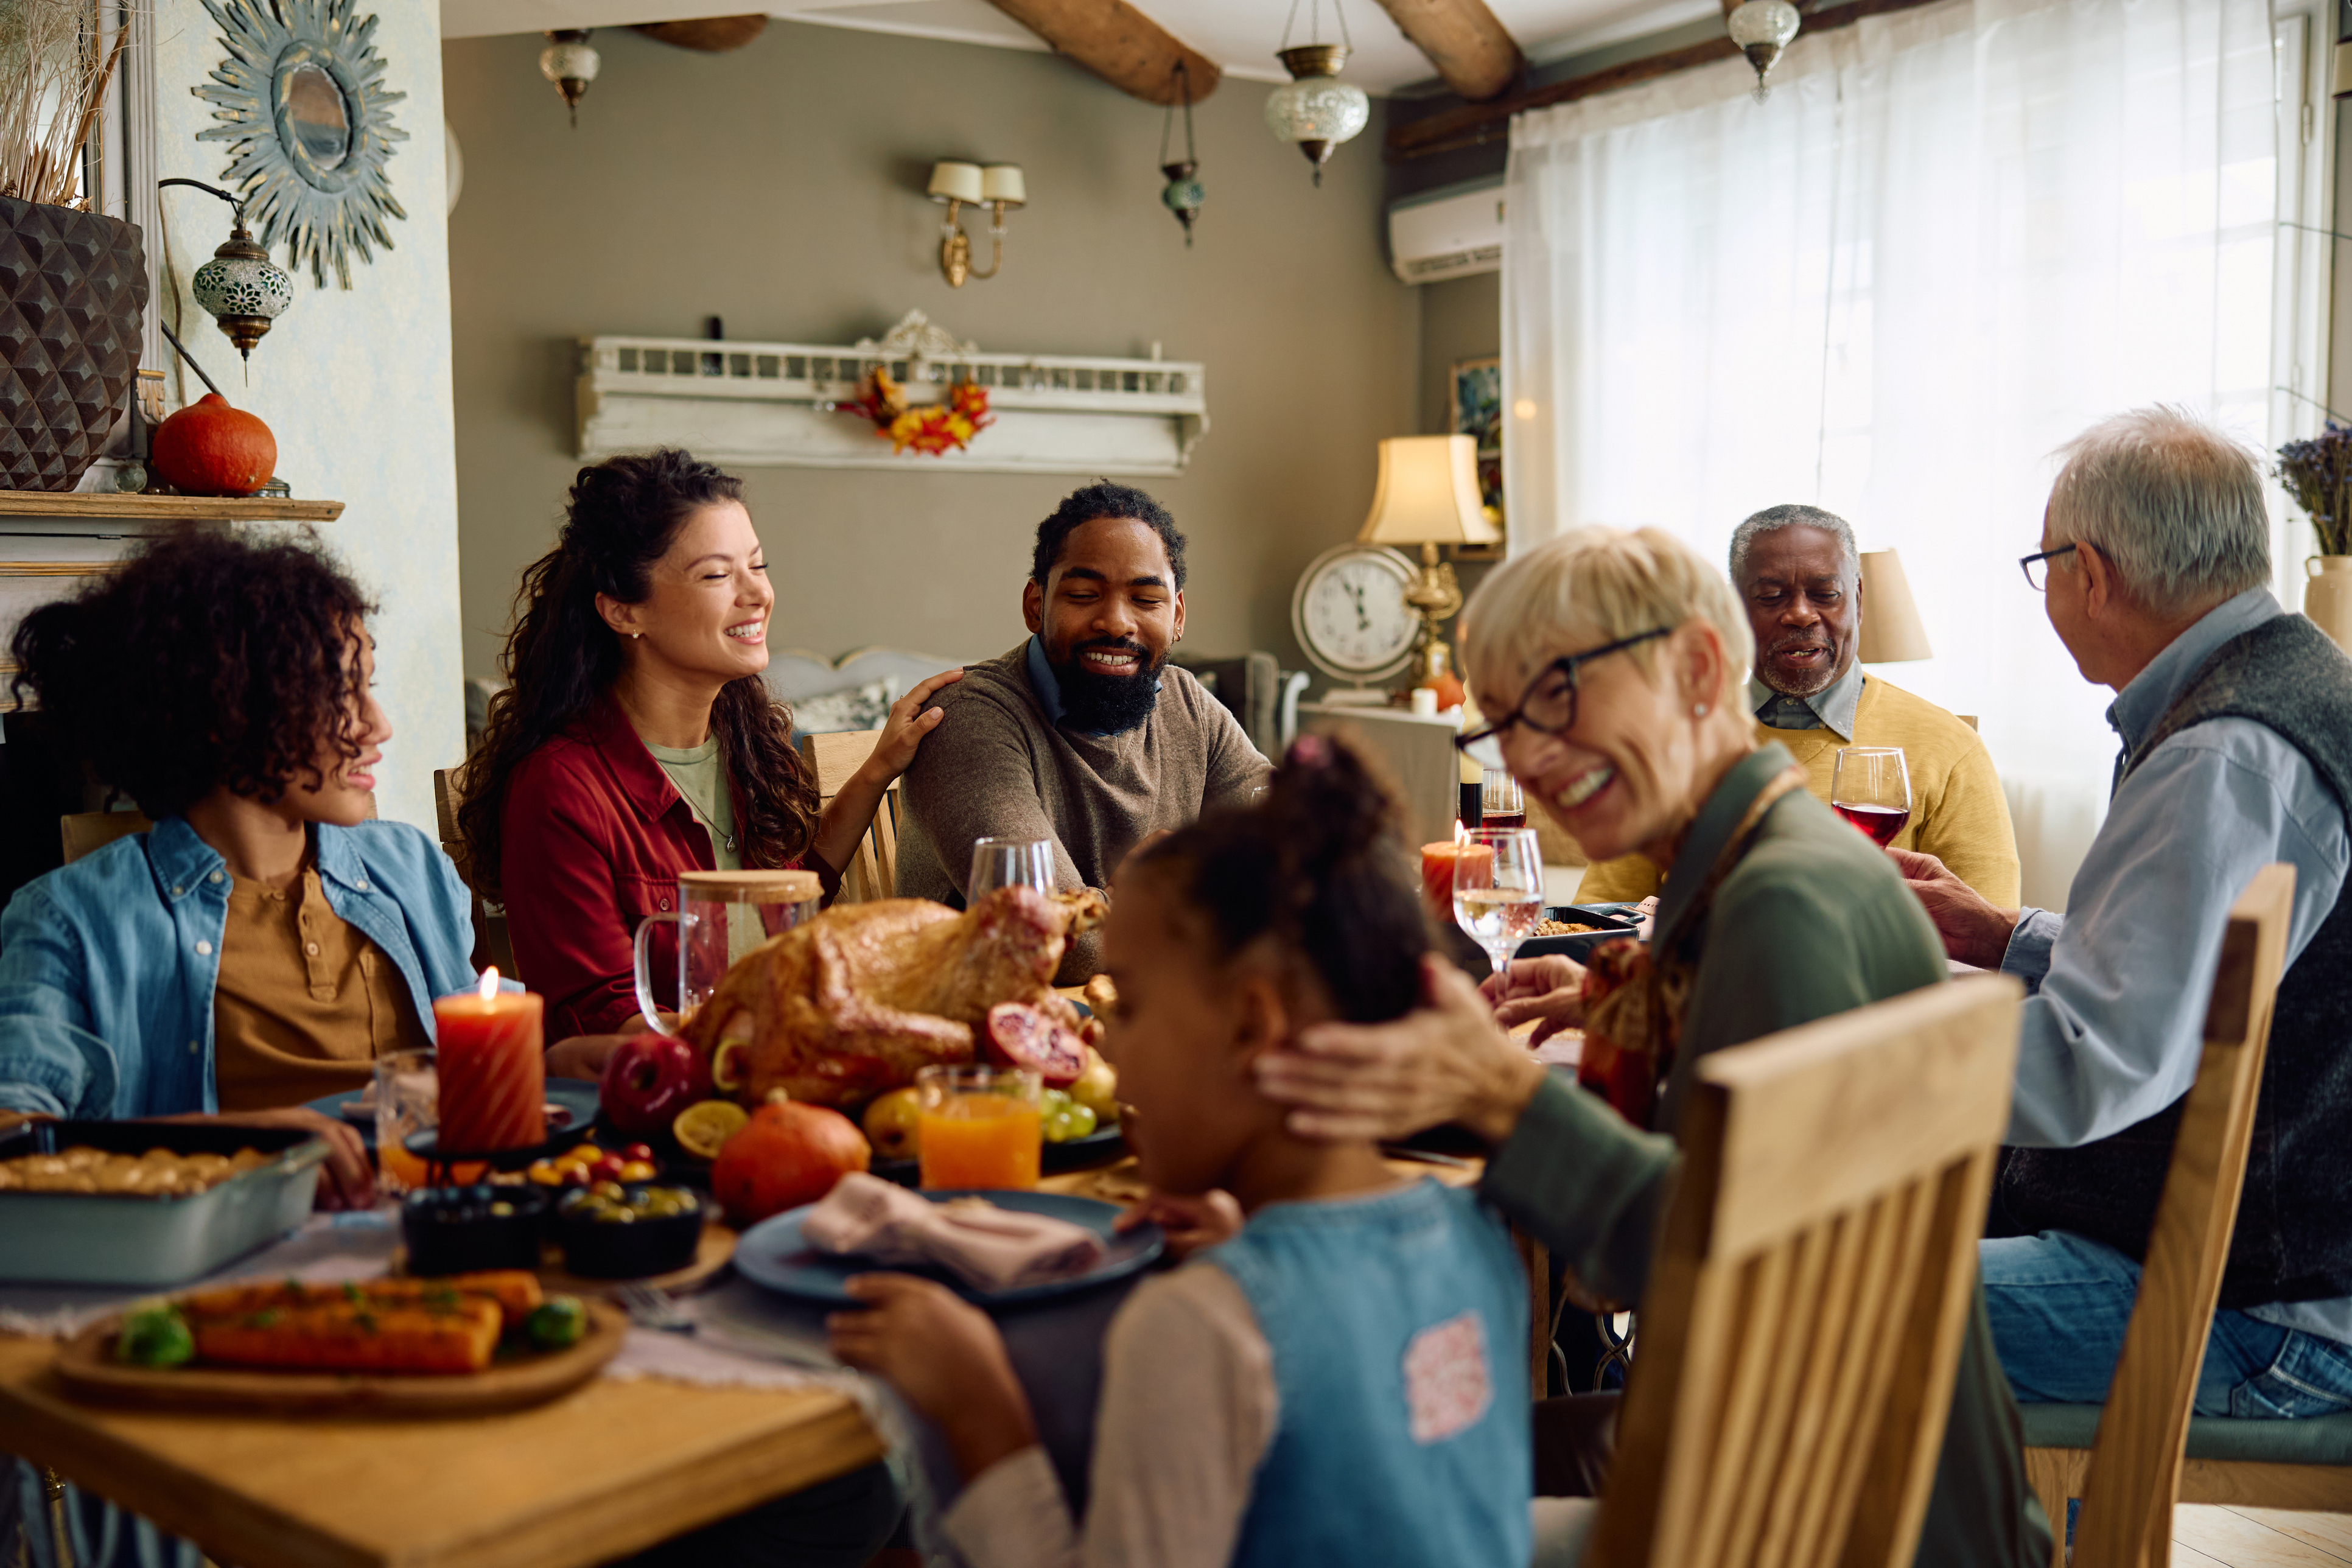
(611, 1232)
(458, 1230)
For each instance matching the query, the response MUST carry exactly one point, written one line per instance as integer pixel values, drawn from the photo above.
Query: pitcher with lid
(720, 916)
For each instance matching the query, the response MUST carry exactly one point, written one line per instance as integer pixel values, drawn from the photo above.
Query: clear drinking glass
(720, 916)
(1498, 890)
(408, 1101)
(1871, 788)
(978, 1126)
(1500, 801)
(1010, 863)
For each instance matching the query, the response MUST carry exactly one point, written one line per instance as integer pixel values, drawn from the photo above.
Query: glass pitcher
(720, 916)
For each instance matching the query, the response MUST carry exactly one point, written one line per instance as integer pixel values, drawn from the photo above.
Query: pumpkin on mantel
(211, 449)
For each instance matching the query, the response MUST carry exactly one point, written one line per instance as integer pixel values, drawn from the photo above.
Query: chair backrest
(2134, 1470)
(1801, 1326)
(493, 944)
(84, 832)
(873, 871)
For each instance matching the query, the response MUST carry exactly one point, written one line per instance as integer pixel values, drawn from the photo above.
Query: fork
(650, 1307)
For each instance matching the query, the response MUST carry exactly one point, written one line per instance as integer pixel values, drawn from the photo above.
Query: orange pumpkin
(209, 448)
(786, 1156)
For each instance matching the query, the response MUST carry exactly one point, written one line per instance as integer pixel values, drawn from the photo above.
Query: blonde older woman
(1613, 664)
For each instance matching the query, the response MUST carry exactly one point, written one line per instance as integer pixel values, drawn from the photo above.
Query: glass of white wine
(1498, 890)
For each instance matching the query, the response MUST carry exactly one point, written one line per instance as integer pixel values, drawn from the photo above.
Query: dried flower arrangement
(2318, 474)
(933, 428)
(55, 67)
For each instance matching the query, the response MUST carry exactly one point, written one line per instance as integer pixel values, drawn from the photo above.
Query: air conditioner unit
(1451, 233)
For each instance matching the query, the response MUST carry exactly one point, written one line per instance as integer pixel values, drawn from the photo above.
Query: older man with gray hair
(1799, 577)
(2236, 722)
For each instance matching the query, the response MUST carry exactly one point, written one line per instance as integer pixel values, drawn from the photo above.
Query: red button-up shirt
(596, 836)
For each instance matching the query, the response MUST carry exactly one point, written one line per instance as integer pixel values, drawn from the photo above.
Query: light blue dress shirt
(2113, 1026)
(1831, 708)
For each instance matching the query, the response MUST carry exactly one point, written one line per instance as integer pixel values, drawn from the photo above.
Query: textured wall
(355, 385)
(780, 187)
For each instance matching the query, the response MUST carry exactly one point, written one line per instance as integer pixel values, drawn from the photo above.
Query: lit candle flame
(1461, 832)
(490, 982)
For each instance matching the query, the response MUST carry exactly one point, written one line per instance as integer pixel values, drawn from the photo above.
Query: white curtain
(1950, 239)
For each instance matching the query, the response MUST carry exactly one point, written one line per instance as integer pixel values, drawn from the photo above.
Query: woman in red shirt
(635, 739)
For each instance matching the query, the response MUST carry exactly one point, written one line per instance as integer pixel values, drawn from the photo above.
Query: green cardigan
(1814, 921)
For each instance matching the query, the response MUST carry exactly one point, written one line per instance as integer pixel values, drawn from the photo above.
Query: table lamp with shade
(1428, 495)
(1892, 631)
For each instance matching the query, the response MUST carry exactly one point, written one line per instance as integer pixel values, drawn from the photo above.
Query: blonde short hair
(1591, 586)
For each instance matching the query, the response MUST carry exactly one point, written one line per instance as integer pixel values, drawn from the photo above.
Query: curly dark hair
(623, 516)
(208, 659)
(1320, 866)
(1101, 500)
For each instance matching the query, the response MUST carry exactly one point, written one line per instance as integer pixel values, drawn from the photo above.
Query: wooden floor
(2259, 1537)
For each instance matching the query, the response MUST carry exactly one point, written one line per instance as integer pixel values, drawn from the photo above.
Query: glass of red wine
(1500, 801)
(1871, 789)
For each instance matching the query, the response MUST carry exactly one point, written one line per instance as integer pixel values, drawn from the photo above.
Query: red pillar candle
(1437, 862)
(492, 1057)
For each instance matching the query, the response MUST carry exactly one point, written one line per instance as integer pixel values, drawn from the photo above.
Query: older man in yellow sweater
(1798, 574)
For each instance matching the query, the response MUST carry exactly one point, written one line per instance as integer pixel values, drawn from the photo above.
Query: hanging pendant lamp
(571, 62)
(1315, 108)
(1182, 194)
(1762, 28)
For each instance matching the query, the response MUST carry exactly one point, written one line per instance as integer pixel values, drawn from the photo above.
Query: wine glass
(1500, 801)
(1009, 863)
(1871, 788)
(1498, 890)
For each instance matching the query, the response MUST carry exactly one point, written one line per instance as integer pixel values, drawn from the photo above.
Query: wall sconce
(958, 184)
(241, 287)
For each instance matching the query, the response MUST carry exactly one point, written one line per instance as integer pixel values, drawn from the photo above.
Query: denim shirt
(108, 965)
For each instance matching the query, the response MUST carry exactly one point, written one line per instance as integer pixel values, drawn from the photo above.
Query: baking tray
(96, 1239)
(1606, 916)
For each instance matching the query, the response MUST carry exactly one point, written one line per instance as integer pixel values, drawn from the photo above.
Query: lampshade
(1003, 183)
(1428, 494)
(956, 182)
(2340, 82)
(1892, 631)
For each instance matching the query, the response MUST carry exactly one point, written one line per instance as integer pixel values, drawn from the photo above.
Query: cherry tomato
(609, 1168)
(575, 1175)
(637, 1151)
(545, 1174)
(637, 1171)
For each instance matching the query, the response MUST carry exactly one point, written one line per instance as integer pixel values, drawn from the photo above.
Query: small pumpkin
(786, 1156)
(211, 449)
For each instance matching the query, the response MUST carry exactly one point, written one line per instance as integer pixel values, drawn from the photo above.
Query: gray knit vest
(2294, 1236)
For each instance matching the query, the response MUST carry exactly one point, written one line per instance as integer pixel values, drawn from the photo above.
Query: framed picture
(1477, 386)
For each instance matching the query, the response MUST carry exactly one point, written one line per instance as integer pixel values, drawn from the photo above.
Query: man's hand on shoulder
(1974, 929)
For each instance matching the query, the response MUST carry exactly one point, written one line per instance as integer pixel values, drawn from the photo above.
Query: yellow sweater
(1957, 811)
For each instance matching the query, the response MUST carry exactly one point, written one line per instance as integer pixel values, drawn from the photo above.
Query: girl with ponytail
(1337, 1374)
(635, 739)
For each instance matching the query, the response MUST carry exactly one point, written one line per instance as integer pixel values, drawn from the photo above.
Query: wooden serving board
(86, 1366)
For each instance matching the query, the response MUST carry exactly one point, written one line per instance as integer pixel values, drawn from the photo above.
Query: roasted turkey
(854, 1002)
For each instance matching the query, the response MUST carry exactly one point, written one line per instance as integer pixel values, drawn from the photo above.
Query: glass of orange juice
(978, 1126)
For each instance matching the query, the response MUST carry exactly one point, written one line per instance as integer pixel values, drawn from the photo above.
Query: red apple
(649, 1078)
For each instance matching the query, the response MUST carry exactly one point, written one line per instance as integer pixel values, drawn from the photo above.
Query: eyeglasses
(2036, 566)
(1548, 704)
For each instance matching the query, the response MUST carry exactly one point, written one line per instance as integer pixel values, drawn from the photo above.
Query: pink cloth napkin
(986, 1246)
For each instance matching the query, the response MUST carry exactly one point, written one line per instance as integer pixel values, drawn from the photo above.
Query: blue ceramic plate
(773, 1253)
(576, 1097)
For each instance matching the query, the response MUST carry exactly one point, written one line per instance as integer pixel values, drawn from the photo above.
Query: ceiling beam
(1120, 44)
(1471, 49)
(1478, 122)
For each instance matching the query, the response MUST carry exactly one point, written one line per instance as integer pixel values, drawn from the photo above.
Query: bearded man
(1085, 735)
(1798, 572)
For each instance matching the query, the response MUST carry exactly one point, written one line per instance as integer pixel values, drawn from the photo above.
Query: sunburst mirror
(302, 103)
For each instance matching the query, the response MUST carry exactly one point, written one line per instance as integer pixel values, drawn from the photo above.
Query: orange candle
(492, 1055)
(1437, 862)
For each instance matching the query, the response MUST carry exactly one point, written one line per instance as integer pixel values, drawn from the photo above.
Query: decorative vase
(2328, 596)
(73, 290)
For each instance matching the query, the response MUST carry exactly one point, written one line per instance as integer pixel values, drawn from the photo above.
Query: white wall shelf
(761, 403)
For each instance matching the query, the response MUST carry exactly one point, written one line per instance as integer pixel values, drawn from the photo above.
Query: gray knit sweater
(995, 766)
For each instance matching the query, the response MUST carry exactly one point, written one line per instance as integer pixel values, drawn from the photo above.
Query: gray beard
(1829, 676)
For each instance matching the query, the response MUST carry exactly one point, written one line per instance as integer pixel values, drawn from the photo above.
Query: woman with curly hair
(635, 739)
(264, 940)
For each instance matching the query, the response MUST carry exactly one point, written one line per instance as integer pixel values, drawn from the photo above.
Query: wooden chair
(493, 946)
(873, 871)
(86, 831)
(1801, 1327)
(2130, 1470)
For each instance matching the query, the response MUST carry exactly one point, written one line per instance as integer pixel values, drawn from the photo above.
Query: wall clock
(302, 103)
(1350, 612)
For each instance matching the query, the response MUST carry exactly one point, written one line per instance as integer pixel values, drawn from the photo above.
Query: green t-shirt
(701, 778)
